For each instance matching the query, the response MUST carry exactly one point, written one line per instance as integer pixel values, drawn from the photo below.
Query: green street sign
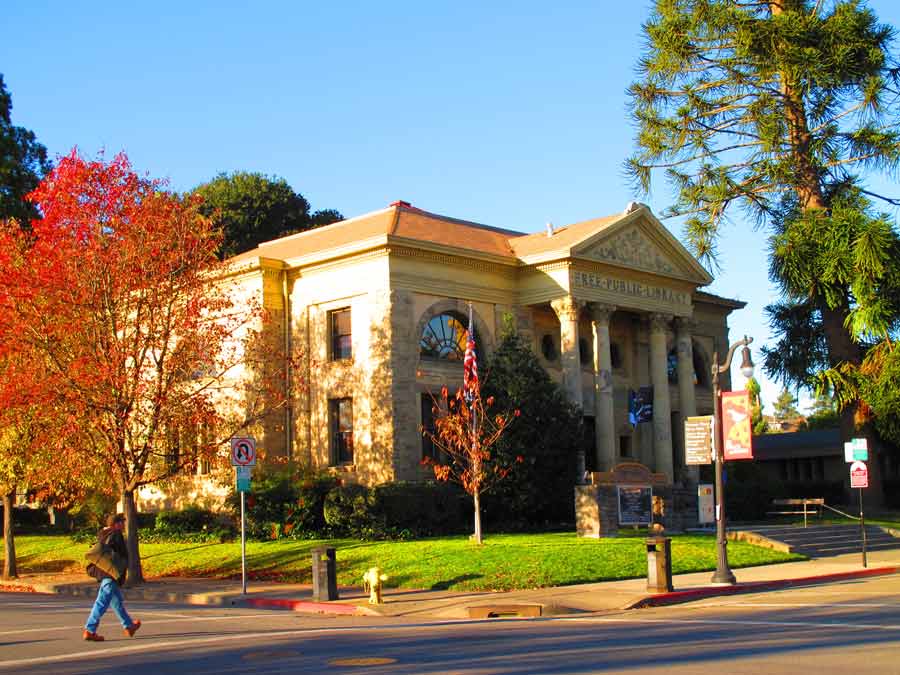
(856, 450)
(242, 476)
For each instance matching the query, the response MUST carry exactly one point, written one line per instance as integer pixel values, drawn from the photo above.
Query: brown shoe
(132, 629)
(91, 637)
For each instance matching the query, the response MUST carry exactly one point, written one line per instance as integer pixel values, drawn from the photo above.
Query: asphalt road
(851, 627)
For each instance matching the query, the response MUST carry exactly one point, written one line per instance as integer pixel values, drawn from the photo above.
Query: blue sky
(509, 114)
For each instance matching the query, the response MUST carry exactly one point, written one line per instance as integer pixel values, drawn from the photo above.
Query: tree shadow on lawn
(447, 584)
(28, 563)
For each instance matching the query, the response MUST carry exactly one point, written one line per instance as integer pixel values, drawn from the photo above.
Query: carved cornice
(450, 259)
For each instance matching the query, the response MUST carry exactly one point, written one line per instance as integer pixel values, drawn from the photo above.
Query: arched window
(444, 337)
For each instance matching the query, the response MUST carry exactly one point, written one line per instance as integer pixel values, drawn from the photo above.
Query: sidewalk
(595, 597)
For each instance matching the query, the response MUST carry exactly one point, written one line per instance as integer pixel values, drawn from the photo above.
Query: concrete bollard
(659, 564)
(324, 574)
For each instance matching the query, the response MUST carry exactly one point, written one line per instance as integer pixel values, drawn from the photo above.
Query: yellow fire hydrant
(372, 583)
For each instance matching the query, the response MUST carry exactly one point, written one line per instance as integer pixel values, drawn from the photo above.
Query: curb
(676, 597)
(303, 606)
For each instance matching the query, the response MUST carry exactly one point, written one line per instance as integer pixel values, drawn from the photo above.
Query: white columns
(662, 407)
(686, 387)
(567, 310)
(685, 352)
(603, 387)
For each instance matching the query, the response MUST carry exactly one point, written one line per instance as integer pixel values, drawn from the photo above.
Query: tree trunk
(9, 560)
(477, 536)
(135, 573)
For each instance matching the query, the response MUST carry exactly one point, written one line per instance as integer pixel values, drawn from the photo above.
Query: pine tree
(778, 109)
(785, 407)
(547, 437)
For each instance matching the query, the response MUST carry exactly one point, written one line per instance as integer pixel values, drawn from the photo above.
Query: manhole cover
(270, 655)
(363, 661)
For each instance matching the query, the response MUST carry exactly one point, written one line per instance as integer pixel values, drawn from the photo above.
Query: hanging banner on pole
(737, 432)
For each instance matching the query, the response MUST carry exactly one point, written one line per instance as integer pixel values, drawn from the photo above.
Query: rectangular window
(340, 414)
(589, 443)
(625, 446)
(341, 337)
(429, 449)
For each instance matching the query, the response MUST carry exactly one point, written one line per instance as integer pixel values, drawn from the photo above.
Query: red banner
(737, 438)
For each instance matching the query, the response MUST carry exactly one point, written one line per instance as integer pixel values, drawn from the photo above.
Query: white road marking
(109, 651)
(143, 623)
(745, 622)
(837, 605)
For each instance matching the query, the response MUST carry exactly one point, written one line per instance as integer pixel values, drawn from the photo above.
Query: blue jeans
(109, 594)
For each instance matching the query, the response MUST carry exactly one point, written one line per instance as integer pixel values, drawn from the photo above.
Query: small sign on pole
(243, 458)
(859, 475)
(856, 450)
(706, 504)
(243, 451)
(242, 475)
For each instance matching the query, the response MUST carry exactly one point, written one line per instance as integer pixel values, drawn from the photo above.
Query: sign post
(243, 459)
(859, 478)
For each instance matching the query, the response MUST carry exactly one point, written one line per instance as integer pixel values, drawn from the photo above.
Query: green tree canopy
(784, 407)
(777, 111)
(547, 436)
(253, 208)
(23, 163)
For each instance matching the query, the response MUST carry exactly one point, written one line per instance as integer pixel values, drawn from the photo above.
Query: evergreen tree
(253, 208)
(547, 436)
(779, 108)
(785, 407)
(23, 163)
(757, 419)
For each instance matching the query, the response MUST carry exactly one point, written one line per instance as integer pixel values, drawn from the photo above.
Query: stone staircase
(822, 541)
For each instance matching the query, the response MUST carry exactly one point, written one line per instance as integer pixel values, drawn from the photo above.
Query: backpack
(107, 560)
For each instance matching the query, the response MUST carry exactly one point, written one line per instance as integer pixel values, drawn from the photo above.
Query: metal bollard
(324, 574)
(659, 564)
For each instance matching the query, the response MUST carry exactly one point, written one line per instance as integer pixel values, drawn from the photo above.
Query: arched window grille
(444, 337)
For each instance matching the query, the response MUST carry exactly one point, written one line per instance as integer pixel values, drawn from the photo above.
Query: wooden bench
(794, 505)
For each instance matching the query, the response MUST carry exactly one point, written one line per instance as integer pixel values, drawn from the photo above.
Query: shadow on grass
(447, 584)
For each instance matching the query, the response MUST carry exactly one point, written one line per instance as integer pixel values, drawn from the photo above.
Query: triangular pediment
(639, 241)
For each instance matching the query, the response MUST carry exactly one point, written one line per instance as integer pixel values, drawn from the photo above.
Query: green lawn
(504, 562)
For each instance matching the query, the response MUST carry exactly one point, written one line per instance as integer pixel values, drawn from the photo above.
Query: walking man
(108, 567)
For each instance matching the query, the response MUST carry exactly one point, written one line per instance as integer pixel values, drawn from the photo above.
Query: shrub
(285, 502)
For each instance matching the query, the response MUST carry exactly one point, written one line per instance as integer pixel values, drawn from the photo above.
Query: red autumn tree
(119, 289)
(31, 430)
(465, 432)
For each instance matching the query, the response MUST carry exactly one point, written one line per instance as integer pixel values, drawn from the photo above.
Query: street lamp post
(724, 575)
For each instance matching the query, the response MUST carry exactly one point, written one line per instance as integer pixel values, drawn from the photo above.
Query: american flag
(470, 364)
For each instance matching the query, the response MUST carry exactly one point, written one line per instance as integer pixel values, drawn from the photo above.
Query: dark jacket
(114, 540)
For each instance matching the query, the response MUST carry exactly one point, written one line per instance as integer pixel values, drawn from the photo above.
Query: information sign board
(706, 504)
(635, 504)
(698, 437)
